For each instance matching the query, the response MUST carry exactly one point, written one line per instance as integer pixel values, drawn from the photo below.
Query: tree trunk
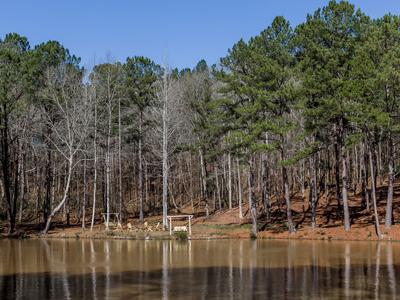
(48, 180)
(38, 192)
(191, 183)
(312, 190)
(373, 192)
(287, 196)
(53, 185)
(217, 183)
(2, 189)
(253, 207)
(363, 177)
(204, 179)
(337, 176)
(374, 160)
(68, 206)
(303, 178)
(355, 173)
(77, 204)
(141, 218)
(380, 163)
(389, 206)
(119, 160)
(258, 183)
(367, 198)
(108, 171)
(95, 166)
(22, 182)
(146, 170)
(84, 196)
(239, 190)
(266, 187)
(180, 185)
(344, 184)
(66, 195)
(165, 172)
(16, 177)
(327, 178)
(230, 181)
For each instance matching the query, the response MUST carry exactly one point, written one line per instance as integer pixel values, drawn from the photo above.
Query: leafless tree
(168, 133)
(74, 112)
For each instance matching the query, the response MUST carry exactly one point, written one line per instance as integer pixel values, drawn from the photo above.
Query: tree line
(314, 107)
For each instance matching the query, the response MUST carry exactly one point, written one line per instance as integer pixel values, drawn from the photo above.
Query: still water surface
(215, 269)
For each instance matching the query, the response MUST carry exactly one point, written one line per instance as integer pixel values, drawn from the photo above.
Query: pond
(198, 269)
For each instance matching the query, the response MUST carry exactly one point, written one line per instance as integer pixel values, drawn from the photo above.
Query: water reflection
(391, 273)
(93, 269)
(230, 269)
(347, 270)
(378, 263)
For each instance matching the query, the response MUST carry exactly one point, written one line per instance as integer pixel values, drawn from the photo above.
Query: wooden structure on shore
(180, 227)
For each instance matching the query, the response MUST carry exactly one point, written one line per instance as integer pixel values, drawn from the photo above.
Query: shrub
(253, 236)
(110, 233)
(181, 235)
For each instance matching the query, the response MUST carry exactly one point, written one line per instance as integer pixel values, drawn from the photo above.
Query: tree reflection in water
(214, 269)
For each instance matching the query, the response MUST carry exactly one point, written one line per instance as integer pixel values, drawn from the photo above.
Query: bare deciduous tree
(168, 133)
(74, 112)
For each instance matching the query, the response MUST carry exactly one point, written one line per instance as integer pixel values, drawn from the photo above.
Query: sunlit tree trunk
(389, 206)
(373, 192)
(239, 189)
(253, 204)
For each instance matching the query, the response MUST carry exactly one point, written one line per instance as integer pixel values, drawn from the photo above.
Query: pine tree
(141, 74)
(326, 44)
(18, 69)
(376, 72)
(109, 77)
(260, 81)
(206, 121)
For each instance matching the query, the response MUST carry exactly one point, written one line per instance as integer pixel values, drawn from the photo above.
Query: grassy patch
(181, 235)
(221, 233)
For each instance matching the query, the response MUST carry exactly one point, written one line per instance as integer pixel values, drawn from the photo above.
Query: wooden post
(190, 227)
(170, 226)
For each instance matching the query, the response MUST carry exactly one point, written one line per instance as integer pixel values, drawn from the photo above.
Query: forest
(312, 110)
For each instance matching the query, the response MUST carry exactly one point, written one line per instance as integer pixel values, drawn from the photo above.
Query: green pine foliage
(260, 83)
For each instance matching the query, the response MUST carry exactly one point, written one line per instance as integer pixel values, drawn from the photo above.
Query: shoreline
(321, 234)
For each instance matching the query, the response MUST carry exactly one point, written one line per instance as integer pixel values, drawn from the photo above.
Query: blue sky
(191, 30)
